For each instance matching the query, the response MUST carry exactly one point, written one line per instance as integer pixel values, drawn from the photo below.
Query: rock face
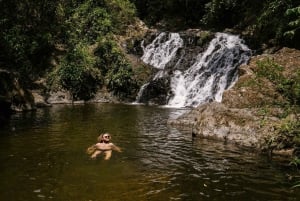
(59, 97)
(217, 121)
(13, 94)
(248, 115)
(157, 92)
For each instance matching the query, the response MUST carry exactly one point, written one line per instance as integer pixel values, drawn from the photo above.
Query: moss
(204, 37)
(252, 82)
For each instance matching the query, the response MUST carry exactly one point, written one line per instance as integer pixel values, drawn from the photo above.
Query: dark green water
(42, 157)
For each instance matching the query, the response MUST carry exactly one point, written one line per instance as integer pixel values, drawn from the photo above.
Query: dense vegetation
(289, 86)
(80, 32)
(90, 57)
(275, 22)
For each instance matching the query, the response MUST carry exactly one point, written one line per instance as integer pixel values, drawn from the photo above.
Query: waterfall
(205, 80)
(214, 71)
(162, 49)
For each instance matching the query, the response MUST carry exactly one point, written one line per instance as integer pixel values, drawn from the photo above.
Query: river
(42, 157)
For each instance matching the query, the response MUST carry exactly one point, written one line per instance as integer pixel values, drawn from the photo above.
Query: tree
(27, 36)
(76, 73)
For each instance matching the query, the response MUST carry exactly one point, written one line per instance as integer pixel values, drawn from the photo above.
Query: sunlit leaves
(88, 22)
(294, 24)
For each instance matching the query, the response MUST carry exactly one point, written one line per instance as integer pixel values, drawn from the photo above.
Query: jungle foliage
(31, 30)
(90, 58)
(90, 29)
(77, 74)
(275, 22)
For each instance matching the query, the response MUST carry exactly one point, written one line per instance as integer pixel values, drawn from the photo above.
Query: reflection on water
(42, 157)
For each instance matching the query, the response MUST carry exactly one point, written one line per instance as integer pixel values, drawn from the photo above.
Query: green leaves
(93, 58)
(294, 24)
(271, 70)
(289, 87)
(88, 23)
(122, 13)
(94, 19)
(120, 80)
(28, 29)
(221, 12)
(293, 11)
(77, 74)
(116, 69)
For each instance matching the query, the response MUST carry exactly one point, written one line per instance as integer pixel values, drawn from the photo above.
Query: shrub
(289, 87)
(88, 22)
(120, 81)
(115, 68)
(76, 73)
(93, 19)
(269, 69)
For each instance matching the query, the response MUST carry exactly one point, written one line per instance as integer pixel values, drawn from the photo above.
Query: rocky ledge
(249, 114)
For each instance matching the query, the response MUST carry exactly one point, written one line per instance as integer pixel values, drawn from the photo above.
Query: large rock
(243, 127)
(155, 92)
(249, 112)
(59, 97)
(14, 96)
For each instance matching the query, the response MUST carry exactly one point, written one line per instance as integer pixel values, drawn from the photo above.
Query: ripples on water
(42, 157)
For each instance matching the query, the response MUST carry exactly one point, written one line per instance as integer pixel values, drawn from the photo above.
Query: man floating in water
(104, 145)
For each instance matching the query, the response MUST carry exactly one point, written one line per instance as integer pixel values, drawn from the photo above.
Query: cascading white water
(161, 51)
(213, 71)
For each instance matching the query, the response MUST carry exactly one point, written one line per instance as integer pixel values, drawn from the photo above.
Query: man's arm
(116, 148)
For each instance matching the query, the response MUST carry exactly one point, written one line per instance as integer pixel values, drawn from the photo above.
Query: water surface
(42, 157)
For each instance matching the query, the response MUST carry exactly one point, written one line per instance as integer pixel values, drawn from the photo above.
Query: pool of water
(42, 157)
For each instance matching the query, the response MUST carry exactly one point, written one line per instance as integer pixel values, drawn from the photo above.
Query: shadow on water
(42, 157)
